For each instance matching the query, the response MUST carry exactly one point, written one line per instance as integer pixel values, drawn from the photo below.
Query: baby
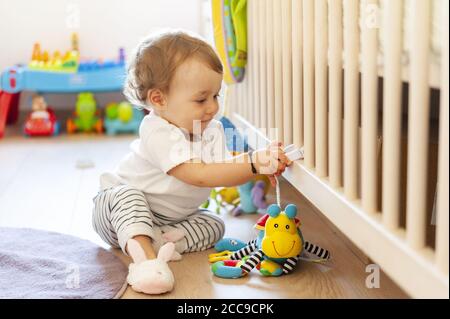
(150, 203)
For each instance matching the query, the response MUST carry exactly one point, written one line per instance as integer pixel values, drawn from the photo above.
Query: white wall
(102, 25)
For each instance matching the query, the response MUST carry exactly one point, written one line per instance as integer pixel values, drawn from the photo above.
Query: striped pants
(122, 212)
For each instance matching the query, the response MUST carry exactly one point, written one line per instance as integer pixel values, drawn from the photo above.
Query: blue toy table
(16, 79)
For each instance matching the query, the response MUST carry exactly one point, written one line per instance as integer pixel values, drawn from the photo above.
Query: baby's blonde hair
(156, 59)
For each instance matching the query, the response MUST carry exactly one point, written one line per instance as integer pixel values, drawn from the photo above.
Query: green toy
(122, 111)
(122, 118)
(125, 112)
(87, 117)
(111, 111)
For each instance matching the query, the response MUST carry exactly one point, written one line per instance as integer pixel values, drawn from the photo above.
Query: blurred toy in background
(247, 198)
(42, 120)
(222, 197)
(42, 60)
(75, 42)
(252, 196)
(96, 64)
(87, 117)
(236, 142)
(122, 118)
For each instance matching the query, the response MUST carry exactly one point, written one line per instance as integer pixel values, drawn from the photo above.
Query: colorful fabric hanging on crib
(230, 37)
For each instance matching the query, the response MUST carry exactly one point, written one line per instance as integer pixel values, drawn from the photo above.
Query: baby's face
(193, 95)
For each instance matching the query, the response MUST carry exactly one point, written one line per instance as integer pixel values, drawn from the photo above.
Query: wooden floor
(42, 187)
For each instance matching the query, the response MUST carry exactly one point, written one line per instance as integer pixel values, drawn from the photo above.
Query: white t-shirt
(160, 147)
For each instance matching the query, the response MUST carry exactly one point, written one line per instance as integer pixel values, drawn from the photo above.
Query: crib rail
(313, 74)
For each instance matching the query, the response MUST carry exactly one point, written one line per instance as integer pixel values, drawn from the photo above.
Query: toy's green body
(85, 117)
(85, 111)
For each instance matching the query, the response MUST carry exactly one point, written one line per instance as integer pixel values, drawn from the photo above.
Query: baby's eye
(201, 101)
(216, 96)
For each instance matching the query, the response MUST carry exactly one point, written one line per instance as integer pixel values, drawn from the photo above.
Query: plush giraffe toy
(276, 250)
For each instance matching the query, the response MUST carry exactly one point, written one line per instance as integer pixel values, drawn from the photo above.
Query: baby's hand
(271, 161)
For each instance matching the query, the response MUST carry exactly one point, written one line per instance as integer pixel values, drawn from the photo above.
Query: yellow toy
(42, 60)
(276, 250)
(223, 197)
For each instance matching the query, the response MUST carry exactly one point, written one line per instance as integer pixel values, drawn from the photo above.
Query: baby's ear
(135, 250)
(156, 98)
(166, 251)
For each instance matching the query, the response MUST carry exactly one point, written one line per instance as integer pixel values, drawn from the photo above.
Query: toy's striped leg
(251, 262)
(317, 251)
(247, 250)
(290, 264)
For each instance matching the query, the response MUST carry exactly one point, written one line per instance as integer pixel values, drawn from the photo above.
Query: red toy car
(41, 123)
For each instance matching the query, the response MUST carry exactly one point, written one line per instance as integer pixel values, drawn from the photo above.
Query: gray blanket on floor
(42, 264)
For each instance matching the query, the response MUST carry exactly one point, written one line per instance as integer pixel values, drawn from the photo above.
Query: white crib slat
(255, 73)
(246, 90)
(369, 106)
(442, 221)
(278, 70)
(351, 96)
(242, 96)
(321, 71)
(249, 68)
(247, 114)
(262, 65)
(418, 126)
(286, 41)
(297, 69)
(239, 96)
(236, 93)
(228, 100)
(308, 81)
(335, 92)
(253, 111)
(392, 86)
(256, 48)
(270, 69)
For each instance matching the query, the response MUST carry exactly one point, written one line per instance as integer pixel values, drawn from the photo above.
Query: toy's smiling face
(281, 239)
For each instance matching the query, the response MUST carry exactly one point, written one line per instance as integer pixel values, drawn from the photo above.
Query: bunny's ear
(273, 210)
(166, 252)
(135, 250)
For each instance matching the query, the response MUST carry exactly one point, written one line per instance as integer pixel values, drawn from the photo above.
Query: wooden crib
(363, 87)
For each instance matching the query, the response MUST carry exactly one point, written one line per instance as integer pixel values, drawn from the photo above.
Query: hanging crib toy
(230, 35)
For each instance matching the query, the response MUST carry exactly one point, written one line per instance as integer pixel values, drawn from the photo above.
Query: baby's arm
(234, 171)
